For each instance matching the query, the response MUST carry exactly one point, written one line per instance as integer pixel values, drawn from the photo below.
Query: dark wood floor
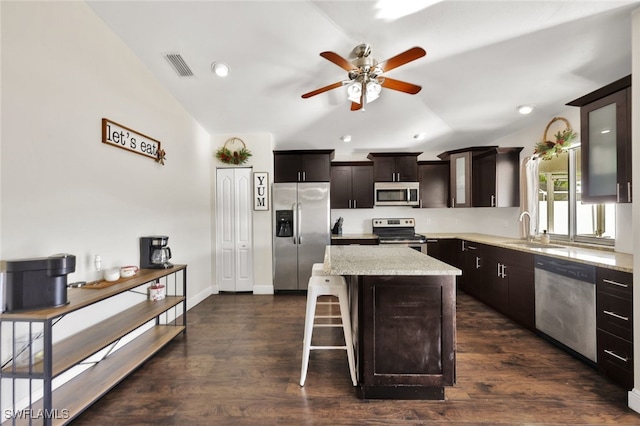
(240, 364)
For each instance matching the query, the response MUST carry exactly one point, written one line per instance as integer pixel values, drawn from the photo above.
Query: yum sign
(260, 191)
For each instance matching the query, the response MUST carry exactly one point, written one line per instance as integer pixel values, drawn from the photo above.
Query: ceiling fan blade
(355, 106)
(401, 59)
(338, 60)
(322, 89)
(400, 86)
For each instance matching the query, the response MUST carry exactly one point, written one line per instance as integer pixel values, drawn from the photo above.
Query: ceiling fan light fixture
(220, 69)
(373, 91)
(354, 90)
(525, 109)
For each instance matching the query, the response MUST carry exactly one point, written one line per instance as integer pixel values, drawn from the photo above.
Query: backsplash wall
(497, 221)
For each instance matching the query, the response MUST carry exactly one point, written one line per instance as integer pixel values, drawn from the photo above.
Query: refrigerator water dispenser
(284, 223)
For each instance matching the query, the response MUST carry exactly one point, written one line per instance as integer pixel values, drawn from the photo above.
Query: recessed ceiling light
(346, 138)
(221, 70)
(525, 109)
(420, 136)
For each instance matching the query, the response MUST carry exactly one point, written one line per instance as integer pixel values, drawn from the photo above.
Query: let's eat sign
(123, 137)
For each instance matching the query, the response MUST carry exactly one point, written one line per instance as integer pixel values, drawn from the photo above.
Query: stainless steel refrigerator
(301, 231)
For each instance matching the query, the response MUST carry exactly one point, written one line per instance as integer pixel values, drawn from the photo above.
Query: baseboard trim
(199, 297)
(634, 399)
(263, 289)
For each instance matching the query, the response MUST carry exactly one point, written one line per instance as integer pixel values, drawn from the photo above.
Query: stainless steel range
(399, 231)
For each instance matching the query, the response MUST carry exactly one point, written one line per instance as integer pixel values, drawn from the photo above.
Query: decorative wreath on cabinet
(546, 149)
(237, 157)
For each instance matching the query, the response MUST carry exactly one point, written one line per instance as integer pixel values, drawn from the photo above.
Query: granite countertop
(596, 256)
(354, 237)
(591, 256)
(382, 260)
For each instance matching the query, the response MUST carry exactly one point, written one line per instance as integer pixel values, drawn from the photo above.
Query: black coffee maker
(154, 253)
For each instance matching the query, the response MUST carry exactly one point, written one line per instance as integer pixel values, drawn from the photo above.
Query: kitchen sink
(532, 244)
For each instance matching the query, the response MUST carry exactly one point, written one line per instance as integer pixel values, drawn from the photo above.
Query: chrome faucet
(522, 215)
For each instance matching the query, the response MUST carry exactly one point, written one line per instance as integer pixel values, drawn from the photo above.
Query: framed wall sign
(123, 137)
(260, 191)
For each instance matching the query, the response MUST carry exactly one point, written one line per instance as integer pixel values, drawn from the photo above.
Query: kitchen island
(403, 313)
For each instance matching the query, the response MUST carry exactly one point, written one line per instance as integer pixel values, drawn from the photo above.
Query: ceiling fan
(365, 75)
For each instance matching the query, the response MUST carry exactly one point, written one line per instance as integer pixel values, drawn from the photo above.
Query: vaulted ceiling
(484, 58)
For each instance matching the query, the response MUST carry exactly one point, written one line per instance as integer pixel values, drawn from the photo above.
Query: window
(560, 209)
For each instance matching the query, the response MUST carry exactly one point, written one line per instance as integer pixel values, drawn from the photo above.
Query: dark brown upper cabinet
(484, 176)
(352, 185)
(434, 183)
(496, 178)
(605, 127)
(302, 166)
(395, 166)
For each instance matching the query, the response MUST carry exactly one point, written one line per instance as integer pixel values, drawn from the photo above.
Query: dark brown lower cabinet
(501, 278)
(614, 320)
(510, 286)
(472, 263)
(405, 335)
(445, 249)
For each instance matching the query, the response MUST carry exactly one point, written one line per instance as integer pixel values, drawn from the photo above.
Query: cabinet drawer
(614, 282)
(615, 358)
(615, 315)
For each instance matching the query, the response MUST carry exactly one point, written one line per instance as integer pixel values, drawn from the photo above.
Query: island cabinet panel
(407, 328)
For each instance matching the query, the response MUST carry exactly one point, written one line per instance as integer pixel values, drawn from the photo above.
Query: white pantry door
(234, 242)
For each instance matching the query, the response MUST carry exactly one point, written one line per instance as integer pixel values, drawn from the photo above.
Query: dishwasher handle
(575, 270)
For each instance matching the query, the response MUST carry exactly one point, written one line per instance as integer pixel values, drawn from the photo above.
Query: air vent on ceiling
(178, 64)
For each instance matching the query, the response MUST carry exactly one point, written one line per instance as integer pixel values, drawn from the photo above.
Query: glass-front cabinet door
(460, 179)
(606, 149)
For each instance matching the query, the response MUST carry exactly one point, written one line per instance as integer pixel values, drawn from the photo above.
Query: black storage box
(37, 283)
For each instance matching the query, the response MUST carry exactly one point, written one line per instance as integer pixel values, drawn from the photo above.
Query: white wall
(62, 189)
(261, 160)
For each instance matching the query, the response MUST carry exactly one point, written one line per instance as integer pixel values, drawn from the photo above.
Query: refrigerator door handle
(295, 224)
(299, 214)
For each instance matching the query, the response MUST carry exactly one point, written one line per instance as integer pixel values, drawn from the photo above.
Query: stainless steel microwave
(397, 193)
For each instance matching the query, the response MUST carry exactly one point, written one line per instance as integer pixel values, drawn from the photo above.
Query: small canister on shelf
(156, 291)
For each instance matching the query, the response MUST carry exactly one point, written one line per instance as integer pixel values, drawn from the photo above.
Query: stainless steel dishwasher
(565, 294)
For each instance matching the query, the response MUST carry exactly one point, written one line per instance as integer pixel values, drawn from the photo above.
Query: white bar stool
(327, 285)
(317, 269)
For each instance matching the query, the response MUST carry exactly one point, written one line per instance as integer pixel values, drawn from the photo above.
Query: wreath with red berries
(236, 157)
(546, 149)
